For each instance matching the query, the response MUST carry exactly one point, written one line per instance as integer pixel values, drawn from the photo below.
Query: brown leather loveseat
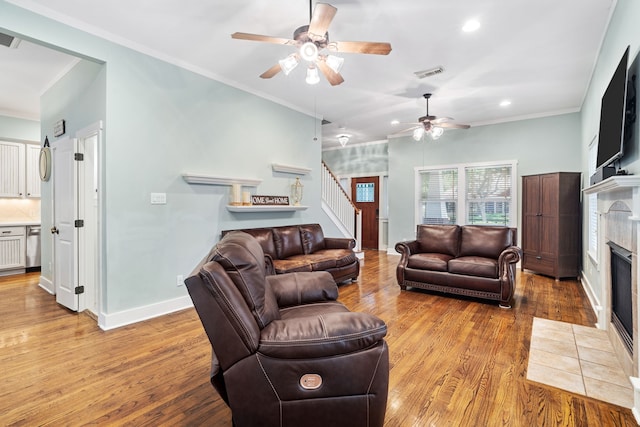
(472, 260)
(284, 351)
(304, 248)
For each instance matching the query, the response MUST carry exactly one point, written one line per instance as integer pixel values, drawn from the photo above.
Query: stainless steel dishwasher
(33, 246)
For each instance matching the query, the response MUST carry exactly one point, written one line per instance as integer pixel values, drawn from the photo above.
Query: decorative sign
(270, 200)
(58, 128)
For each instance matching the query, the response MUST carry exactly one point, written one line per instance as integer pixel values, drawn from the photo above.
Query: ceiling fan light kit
(432, 125)
(309, 52)
(343, 138)
(312, 75)
(289, 63)
(335, 63)
(311, 40)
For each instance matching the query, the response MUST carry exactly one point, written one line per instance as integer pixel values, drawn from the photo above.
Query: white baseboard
(591, 296)
(138, 314)
(47, 285)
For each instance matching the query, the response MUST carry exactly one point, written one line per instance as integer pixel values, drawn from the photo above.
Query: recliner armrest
(303, 288)
(324, 335)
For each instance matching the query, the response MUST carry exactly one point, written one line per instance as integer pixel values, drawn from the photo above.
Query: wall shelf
(278, 167)
(219, 180)
(268, 208)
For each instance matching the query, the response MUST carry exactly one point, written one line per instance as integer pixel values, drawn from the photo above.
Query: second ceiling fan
(432, 125)
(313, 45)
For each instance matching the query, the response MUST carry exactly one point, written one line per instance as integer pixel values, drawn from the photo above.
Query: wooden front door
(365, 193)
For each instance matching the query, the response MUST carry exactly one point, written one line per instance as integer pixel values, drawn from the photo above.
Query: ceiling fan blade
(261, 38)
(405, 130)
(373, 48)
(271, 72)
(322, 16)
(331, 76)
(453, 126)
(437, 120)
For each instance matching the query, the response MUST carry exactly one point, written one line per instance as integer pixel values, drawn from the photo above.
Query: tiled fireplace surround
(619, 217)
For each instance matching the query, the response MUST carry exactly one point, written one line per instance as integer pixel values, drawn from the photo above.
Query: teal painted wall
(623, 31)
(162, 121)
(16, 129)
(358, 160)
(537, 145)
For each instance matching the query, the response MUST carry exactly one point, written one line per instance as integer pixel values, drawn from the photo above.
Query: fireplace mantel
(619, 187)
(618, 182)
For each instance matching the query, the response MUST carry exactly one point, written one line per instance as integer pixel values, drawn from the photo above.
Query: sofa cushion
(312, 238)
(341, 256)
(291, 265)
(429, 261)
(264, 236)
(484, 241)
(442, 239)
(287, 241)
(474, 266)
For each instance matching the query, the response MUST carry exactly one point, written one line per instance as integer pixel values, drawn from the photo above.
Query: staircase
(339, 207)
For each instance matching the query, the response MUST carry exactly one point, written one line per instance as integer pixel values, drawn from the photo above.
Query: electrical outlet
(179, 280)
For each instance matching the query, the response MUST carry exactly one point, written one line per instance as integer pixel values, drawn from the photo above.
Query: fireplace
(616, 266)
(621, 294)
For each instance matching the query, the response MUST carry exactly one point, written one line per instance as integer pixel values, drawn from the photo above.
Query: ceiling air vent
(429, 73)
(9, 41)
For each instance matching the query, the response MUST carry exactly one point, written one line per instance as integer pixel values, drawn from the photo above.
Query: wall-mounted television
(612, 117)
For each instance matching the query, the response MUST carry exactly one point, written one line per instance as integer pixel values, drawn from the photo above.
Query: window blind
(439, 196)
(488, 194)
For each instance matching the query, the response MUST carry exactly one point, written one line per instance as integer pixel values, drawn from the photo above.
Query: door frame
(88, 196)
(383, 196)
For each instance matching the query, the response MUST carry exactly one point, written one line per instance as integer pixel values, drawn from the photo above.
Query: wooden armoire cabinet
(551, 225)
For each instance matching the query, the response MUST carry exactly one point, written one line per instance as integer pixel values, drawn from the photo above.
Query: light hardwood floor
(453, 361)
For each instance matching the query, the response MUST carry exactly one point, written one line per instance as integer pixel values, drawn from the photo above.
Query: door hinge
(78, 157)
(79, 223)
(79, 290)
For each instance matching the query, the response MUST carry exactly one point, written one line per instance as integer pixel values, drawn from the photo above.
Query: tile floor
(578, 359)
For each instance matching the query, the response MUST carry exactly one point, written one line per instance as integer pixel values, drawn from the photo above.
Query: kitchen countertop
(18, 223)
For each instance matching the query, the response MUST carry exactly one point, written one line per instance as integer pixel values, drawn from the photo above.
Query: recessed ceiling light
(470, 26)
(505, 103)
(395, 122)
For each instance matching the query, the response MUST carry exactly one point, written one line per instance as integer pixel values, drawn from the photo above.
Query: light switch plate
(158, 198)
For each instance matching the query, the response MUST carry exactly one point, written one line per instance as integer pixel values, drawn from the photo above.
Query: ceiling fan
(432, 125)
(313, 45)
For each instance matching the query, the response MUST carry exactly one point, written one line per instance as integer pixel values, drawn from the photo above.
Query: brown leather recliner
(284, 351)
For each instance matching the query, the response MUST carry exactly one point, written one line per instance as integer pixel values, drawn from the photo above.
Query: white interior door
(88, 203)
(65, 234)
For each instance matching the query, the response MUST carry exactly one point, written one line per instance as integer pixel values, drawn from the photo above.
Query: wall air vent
(9, 41)
(429, 73)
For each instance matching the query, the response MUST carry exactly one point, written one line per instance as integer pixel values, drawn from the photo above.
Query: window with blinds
(480, 194)
(488, 195)
(439, 196)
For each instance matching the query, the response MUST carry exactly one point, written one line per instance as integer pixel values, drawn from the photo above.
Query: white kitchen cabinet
(12, 248)
(19, 169)
(12, 169)
(33, 170)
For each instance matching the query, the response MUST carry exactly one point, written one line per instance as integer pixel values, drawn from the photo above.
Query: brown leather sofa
(284, 351)
(473, 260)
(300, 248)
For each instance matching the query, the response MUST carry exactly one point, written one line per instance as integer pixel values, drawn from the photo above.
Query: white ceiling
(537, 54)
